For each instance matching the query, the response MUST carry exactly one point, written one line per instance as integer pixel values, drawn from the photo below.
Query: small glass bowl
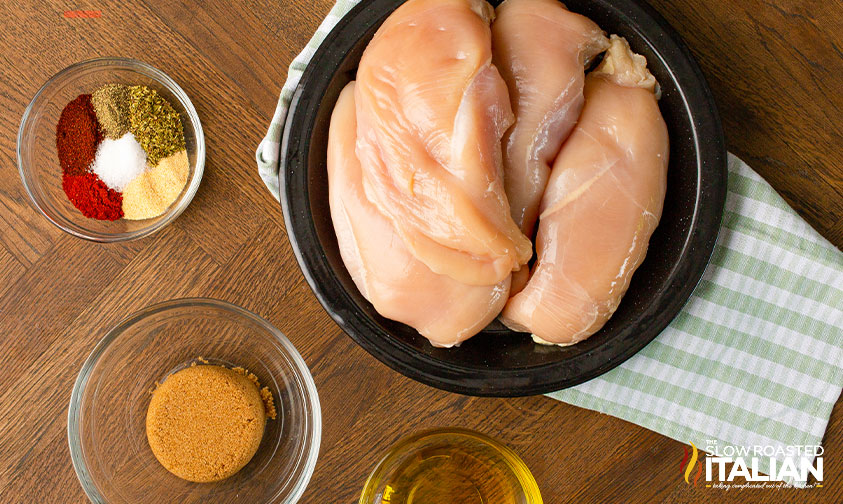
(38, 159)
(106, 424)
(450, 465)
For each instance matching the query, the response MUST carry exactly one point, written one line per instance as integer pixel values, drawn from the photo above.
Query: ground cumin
(111, 104)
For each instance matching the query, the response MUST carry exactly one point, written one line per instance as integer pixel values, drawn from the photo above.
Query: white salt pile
(120, 161)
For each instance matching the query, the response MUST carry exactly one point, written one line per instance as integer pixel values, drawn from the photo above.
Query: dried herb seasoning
(155, 124)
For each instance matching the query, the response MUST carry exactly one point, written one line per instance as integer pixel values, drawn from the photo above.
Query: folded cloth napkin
(753, 359)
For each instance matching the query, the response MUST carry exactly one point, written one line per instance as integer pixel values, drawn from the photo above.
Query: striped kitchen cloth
(753, 361)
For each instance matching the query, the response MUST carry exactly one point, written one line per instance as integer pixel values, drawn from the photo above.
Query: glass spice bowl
(107, 416)
(38, 161)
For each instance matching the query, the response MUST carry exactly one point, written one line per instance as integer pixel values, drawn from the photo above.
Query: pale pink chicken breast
(431, 110)
(399, 286)
(540, 49)
(602, 202)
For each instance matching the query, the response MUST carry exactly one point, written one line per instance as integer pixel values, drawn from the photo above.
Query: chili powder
(77, 136)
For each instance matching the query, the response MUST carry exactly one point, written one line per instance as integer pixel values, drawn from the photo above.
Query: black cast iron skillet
(500, 362)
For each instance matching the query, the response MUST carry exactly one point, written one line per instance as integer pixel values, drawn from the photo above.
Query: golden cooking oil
(450, 466)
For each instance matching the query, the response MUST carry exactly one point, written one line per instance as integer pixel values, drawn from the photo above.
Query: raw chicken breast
(602, 202)
(431, 110)
(398, 285)
(541, 50)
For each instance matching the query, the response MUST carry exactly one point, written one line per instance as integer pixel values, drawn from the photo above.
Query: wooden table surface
(774, 68)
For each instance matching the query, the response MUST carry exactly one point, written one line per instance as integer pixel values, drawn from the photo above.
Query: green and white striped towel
(755, 357)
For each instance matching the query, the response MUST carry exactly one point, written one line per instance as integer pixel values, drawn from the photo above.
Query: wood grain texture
(774, 68)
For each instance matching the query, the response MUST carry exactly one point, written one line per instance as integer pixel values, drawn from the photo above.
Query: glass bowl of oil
(450, 465)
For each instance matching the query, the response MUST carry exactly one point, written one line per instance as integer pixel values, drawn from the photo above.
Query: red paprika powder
(77, 136)
(92, 197)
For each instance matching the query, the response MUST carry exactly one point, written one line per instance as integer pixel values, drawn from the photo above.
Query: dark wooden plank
(223, 212)
(10, 270)
(217, 31)
(38, 306)
(262, 262)
(23, 232)
(771, 66)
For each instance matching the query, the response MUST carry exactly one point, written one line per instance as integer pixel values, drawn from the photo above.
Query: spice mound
(205, 423)
(122, 153)
(111, 103)
(77, 136)
(154, 190)
(155, 123)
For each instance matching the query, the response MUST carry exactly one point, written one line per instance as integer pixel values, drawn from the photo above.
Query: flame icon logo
(687, 469)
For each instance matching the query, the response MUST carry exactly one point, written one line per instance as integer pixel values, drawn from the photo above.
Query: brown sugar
(205, 423)
(266, 395)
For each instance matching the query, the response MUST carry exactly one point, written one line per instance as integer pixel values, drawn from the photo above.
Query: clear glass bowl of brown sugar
(37, 152)
(107, 418)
